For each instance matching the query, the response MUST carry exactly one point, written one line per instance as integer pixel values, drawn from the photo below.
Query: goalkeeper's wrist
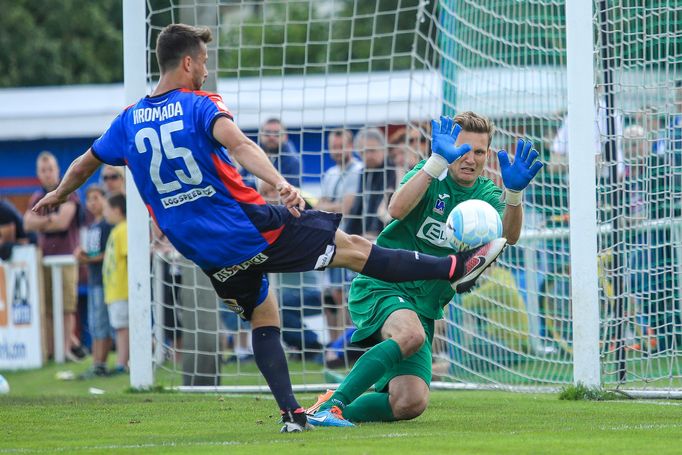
(435, 165)
(513, 198)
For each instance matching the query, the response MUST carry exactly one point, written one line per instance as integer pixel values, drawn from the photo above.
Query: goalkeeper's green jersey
(423, 230)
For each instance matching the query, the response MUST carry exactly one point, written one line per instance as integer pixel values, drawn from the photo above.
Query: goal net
(388, 67)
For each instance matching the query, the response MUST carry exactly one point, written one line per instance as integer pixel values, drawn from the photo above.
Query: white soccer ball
(4, 385)
(471, 224)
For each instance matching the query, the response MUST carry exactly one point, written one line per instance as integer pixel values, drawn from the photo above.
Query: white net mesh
(319, 66)
(639, 193)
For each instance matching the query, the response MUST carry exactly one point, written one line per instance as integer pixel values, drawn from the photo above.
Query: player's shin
(272, 363)
(402, 265)
(370, 407)
(367, 370)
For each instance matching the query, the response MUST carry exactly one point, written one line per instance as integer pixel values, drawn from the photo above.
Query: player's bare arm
(254, 160)
(445, 151)
(408, 195)
(516, 176)
(78, 173)
(512, 221)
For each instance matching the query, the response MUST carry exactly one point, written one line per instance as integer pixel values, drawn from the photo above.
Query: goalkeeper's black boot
(294, 421)
(471, 263)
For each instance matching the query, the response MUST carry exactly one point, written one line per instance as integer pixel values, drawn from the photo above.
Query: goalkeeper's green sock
(370, 407)
(367, 370)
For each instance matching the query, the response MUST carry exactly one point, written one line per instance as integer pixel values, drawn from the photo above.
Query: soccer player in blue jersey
(179, 143)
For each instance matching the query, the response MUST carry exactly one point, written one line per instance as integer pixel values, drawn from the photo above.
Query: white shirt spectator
(560, 142)
(338, 183)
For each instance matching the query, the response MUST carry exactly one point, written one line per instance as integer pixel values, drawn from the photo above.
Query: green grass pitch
(42, 414)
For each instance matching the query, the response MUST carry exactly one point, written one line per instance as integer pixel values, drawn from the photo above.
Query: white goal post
(590, 294)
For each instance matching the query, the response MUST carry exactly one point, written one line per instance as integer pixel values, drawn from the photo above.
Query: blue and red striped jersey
(187, 179)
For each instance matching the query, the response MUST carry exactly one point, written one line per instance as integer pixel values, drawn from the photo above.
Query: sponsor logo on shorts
(433, 231)
(225, 273)
(187, 196)
(325, 258)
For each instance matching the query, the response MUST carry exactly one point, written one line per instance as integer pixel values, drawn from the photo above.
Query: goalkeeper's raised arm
(445, 149)
(516, 177)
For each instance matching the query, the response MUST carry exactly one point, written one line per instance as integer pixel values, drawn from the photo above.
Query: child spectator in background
(115, 277)
(92, 254)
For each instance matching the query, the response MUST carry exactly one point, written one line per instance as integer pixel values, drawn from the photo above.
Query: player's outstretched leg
(395, 265)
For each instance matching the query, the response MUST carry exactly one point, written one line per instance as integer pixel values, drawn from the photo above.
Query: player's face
(466, 170)
(48, 173)
(198, 68)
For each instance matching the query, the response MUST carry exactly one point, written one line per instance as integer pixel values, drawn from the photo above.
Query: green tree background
(56, 42)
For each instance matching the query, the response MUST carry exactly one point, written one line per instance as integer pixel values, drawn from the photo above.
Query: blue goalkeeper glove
(517, 175)
(444, 152)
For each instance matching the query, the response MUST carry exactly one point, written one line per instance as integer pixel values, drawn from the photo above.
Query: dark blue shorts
(306, 243)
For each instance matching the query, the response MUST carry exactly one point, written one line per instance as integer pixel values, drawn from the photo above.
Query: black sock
(269, 356)
(402, 265)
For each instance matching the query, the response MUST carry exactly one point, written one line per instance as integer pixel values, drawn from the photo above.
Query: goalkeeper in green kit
(397, 319)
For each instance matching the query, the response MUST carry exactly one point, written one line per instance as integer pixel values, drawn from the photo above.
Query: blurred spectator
(57, 235)
(652, 193)
(369, 213)
(92, 254)
(11, 229)
(113, 178)
(274, 141)
(559, 150)
(171, 281)
(670, 137)
(115, 277)
(340, 184)
(409, 145)
(666, 167)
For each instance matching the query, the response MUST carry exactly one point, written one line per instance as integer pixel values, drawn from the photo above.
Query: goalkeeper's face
(468, 168)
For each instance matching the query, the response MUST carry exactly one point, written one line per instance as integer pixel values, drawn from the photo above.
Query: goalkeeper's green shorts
(369, 334)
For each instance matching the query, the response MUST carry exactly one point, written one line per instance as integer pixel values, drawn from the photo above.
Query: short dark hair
(178, 40)
(118, 201)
